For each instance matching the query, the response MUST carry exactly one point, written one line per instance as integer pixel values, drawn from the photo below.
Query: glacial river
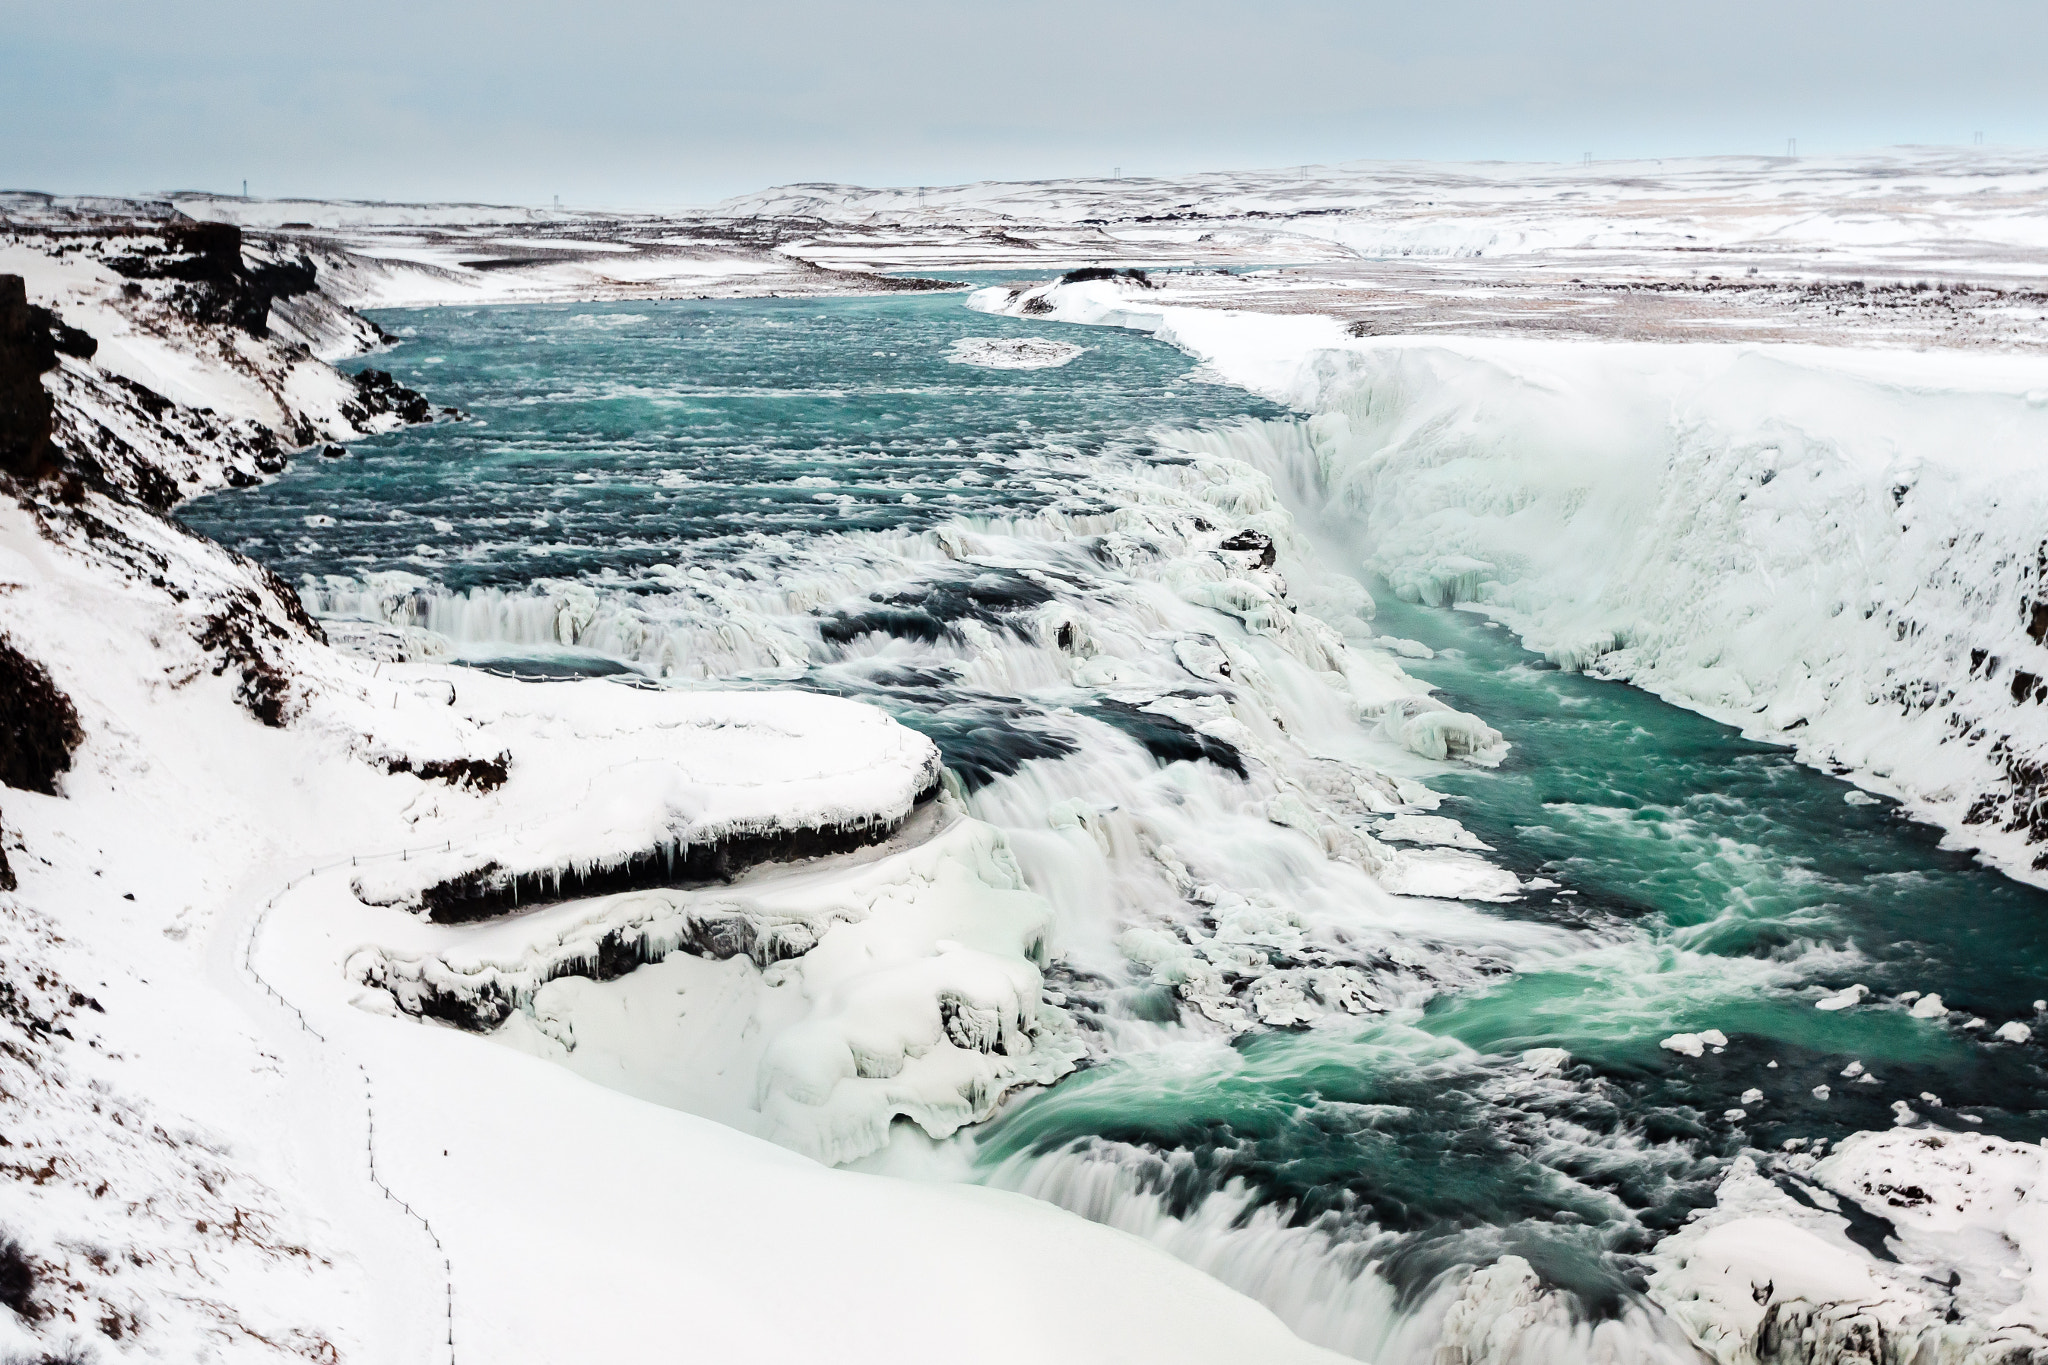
(813, 493)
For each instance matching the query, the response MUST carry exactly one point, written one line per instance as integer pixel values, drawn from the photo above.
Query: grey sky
(631, 103)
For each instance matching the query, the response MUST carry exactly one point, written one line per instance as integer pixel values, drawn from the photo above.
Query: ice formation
(1014, 353)
(814, 1008)
(1768, 1274)
(1823, 546)
(1695, 1044)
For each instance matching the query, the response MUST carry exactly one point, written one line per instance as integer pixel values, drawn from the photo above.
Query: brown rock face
(27, 352)
(38, 726)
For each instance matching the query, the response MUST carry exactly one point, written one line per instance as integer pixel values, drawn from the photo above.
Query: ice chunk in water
(1695, 1044)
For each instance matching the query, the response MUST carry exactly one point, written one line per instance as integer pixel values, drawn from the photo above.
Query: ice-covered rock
(1694, 1044)
(1014, 353)
(1448, 874)
(1844, 998)
(825, 1004)
(1764, 1276)
(1428, 829)
(1427, 727)
(668, 788)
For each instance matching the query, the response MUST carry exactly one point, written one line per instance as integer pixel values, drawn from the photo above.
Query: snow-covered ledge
(612, 788)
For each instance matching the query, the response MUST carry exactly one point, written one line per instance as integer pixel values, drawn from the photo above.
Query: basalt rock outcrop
(216, 284)
(31, 339)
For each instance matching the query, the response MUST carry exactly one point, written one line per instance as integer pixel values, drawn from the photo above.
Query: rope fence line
(370, 1147)
(369, 1100)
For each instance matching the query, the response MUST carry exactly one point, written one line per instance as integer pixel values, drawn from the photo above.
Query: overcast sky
(636, 102)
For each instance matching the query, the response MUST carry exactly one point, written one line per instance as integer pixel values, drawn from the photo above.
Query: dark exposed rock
(918, 284)
(1103, 272)
(38, 725)
(28, 350)
(478, 774)
(216, 284)
(97, 413)
(1257, 541)
(378, 393)
(492, 889)
(17, 1280)
(1796, 1332)
(72, 341)
(246, 639)
(211, 250)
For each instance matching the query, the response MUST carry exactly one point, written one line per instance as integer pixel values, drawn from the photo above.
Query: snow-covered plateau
(362, 1006)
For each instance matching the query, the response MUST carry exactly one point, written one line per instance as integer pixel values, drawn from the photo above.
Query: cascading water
(1115, 596)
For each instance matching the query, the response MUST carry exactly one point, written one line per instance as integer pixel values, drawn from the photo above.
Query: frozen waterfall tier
(1838, 549)
(609, 788)
(1174, 732)
(812, 1005)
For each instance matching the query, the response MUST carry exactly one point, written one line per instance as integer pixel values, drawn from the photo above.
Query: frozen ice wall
(1841, 549)
(1846, 552)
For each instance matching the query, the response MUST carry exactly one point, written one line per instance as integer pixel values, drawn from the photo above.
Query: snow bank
(665, 788)
(1766, 1276)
